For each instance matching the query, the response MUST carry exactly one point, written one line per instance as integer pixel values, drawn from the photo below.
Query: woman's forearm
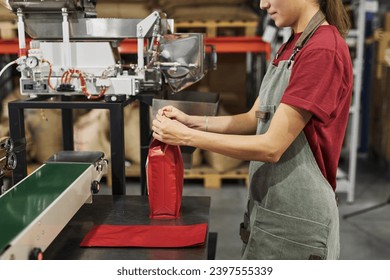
(237, 124)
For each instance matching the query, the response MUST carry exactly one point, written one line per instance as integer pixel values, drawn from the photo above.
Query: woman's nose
(264, 4)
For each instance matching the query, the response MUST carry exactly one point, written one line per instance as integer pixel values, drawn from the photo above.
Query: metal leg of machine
(16, 119)
(17, 132)
(67, 126)
(7, 156)
(145, 103)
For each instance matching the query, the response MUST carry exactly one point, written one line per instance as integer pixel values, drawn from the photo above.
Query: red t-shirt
(321, 83)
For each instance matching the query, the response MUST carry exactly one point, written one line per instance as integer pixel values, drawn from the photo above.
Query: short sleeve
(315, 82)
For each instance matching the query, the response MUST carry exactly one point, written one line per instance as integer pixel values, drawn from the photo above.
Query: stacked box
(122, 9)
(231, 10)
(380, 115)
(8, 28)
(6, 14)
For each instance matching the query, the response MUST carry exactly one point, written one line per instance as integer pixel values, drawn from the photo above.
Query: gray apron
(292, 211)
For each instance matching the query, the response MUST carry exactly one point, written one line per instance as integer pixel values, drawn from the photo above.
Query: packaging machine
(74, 53)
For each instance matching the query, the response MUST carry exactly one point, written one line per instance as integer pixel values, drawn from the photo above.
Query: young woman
(300, 118)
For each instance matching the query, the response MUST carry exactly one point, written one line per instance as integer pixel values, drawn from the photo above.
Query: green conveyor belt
(29, 198)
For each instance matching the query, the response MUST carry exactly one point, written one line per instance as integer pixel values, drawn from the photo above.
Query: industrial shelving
(129, 46)
(346, 180)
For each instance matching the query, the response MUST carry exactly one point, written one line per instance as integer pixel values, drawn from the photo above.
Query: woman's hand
(168, 127)
(174, 113)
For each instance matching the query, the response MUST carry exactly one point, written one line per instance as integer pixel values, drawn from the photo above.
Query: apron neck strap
(311, 27)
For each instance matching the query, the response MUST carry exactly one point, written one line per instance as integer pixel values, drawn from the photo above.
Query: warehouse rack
(346, 181)
(129, 46)
(214, 28)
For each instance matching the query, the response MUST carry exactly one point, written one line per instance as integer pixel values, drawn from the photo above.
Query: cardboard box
(383, 43)
(387, 22)
(115, 9)
(229, 80)
(8, 30)
(212, 12)
(6, 15)
(380, 114)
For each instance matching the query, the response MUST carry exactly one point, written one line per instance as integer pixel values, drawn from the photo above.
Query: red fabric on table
(152, 236)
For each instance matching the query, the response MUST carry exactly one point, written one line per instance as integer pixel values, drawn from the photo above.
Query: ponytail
(336, 15)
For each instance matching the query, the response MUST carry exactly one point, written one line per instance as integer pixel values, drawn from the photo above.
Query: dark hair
(336, 15)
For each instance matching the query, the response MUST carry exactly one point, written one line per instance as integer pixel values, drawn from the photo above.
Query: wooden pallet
(210, 177)
(218, 28)
(213, 179)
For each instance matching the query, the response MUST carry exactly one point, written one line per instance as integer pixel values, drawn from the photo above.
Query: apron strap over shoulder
(312, 26)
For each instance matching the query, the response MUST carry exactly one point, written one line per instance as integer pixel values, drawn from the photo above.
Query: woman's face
(287, 13)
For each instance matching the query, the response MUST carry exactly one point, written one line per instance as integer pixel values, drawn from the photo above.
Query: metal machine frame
(75, 53)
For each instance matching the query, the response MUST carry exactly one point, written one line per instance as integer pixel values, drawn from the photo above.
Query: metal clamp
(263, 115)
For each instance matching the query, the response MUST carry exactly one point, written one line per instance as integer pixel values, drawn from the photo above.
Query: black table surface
(127, 210)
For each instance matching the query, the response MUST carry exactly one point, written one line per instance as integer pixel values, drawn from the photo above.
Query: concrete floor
(365, 236)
